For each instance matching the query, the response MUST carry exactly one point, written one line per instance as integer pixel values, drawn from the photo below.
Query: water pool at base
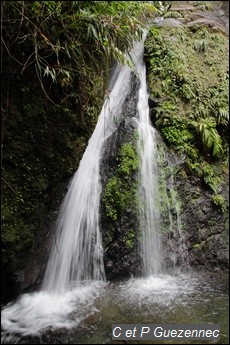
(85, 314)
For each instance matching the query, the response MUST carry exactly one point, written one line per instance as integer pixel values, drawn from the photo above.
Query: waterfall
(77, 253)
(148, 182)
(68, 310)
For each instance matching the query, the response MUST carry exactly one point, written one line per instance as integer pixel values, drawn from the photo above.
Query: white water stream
(77, 253)
(149, 216)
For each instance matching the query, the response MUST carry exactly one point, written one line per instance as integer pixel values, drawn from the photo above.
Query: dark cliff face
(202, 242)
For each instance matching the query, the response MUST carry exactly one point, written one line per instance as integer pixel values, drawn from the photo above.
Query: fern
(223, 116)
(200, 46)
(209, 136)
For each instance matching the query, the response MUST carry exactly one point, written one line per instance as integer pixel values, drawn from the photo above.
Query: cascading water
(77, 253)
(148, 182)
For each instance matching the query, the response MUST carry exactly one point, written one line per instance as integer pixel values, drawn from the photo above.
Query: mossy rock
(120, 190)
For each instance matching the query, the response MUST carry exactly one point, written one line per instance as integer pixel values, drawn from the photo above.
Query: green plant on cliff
(203, 5)
(210, 138)
(128, 161)
(120, 189)
(201, 42)
(129, 240)
(220, 202)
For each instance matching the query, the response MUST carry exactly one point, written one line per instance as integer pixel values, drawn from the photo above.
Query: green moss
(220, 202)
(120, 190)
(204, 5)
(116, 197)
(199, 245)
(128, 160)
(173, 14)
(129, 239)
(207, 172)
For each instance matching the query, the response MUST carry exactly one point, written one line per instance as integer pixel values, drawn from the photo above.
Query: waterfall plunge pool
(85, 314)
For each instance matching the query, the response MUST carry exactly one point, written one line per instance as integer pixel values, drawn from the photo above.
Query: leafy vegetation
(65, 39)
(57, 58)
(120, 190)
(187, 75)
(220, 202)
(203, 5)
(130, 238)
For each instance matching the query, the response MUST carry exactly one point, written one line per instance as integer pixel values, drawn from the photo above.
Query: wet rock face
(205, 228)
(203, 242)
(225, 7)
(118, 213)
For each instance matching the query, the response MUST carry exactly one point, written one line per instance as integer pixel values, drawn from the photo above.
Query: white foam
(34, 313)
(160, 289)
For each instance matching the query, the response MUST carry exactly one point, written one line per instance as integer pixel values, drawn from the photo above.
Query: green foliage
(211, 140)
(220, 202)
(176, 131)
(210, 177)
(200, 45)
(206, 171)
(191, 92)
(162, 6)
(203, 5)
(129, 240)
(173, 14)
(199, 245)
(64, 38)
(120, 190)
(116, 197)
(43, 144)
(201, 41)
(164, 111)
(222, 116)
(128, 161)
(39, 157)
